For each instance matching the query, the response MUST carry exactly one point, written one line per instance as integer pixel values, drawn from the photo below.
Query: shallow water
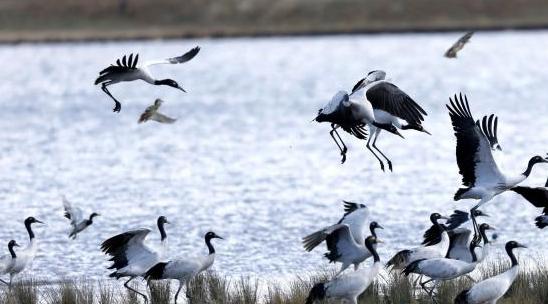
(244, 159)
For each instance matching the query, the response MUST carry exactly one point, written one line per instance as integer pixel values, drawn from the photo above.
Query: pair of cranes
(133, 257)
(19, 260)
(380, 105)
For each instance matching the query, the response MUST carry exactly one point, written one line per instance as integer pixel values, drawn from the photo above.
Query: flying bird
(492, 289)
(77, 221)
(360, 108)
(151, 113)
(455, 48)
(127, 70)
(481, 176)
(131, 256)
(338, 112)
(393, 109)
(184, 269)
(350, 285)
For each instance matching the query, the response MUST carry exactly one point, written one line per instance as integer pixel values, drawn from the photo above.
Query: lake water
(244, 159)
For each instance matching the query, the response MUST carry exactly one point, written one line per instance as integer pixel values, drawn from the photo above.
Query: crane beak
(399, 134)
(380, 241)
(181, 89)
(39, 222)
(491, 228)
(379, 226)
(521, 246)
(218, 237)
(16, 245)
(426, 131)
(444, 217)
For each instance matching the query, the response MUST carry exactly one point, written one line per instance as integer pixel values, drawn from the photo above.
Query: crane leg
(135, 291)
(117, 104)
(423, 285)
(178, 291)
(4, 282)
(373, 152)
(343, 149)
(187, 287)
(481, 202)
(377, 132)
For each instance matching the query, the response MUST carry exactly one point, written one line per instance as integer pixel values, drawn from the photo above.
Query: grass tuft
(530, 287)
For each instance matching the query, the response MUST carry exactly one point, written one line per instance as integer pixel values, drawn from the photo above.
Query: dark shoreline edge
(85, 36)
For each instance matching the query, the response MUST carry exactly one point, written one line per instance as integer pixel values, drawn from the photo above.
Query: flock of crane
(450, 250)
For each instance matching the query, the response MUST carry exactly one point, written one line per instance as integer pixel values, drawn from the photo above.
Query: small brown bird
(452, 52)
(151, 113)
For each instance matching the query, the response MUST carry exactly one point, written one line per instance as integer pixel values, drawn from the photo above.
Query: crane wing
(459, 238)
(175, 60)
(389, 98)
(127, 248)
(355, 216)
(161, 118)
(488, 126)
(432, 236)
(74, 214)
(474, 159)
(538, 196)
(340, 242)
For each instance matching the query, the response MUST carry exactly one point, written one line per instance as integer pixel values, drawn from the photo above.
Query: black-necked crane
(355, 216)
(392, 109)
(350, 285)
(480, 174)
(441, 269)
(374, 103)
(433, 234)
(127, 70)
(26, 256)
(538, 197)
(342, 247)
(151, 113)
(457, 46)
(184, 269)
(403, 258)
(131, 256)
(8, 264)
(490, 290)
(77, 220)
(338, 112)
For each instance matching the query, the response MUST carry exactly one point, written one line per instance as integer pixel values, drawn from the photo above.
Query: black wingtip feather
(316, 293)
(399, 259)
(412, 267)
(357, 85)
(462, 297)
(156, 272)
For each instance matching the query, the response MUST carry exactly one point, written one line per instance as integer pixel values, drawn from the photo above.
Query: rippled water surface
(244, 159)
